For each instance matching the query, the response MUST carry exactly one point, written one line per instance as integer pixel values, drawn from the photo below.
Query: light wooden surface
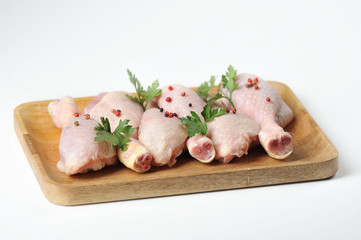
(314, 157)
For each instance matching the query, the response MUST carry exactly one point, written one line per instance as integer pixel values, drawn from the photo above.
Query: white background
(49, 49)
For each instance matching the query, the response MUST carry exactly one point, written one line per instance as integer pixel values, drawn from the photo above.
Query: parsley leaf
(210, 114)
(205, 87)
(229, 82)
(143, 97)
(194, 124)
(116, 138)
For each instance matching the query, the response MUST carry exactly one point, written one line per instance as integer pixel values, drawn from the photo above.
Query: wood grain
(314, 157)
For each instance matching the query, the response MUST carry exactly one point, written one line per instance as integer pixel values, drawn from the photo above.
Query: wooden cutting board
(314, 157)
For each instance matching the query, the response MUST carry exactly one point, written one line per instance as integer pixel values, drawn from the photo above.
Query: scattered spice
(170, 88)
(168, 99)
(268, 99)
(183, 94)
(87, 116)
(76, 123)
(76, 114)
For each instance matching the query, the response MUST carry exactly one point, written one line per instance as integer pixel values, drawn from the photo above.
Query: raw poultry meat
(232, 135)
(117, 106)
(182, 100)
(163, 136)
(79, 153)
(260, 101)
(107, 104)
(61, 111)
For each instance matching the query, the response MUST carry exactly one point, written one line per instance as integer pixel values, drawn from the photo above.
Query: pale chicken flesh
(79, 153)
(232, 135)
(117, 106)
(182, 100)
(107, 104)
(164, 137)
(61, 111)
(258, 100)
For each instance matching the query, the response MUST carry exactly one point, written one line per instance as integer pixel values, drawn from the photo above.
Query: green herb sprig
(229, 81)
(194, 124)
(143, 97)
(116, 138)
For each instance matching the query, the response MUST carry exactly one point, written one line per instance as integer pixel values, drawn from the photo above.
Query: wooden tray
(314, 157)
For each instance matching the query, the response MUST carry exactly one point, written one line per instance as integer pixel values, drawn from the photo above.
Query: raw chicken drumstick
(181, 101)
(79, 153)
(61, 111)
(163, 136)
(232, 134)
(117, 106)
(260, 101)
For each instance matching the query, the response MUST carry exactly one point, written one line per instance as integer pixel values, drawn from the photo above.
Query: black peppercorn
(190, 105)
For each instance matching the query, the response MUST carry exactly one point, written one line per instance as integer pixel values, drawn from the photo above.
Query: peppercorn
(227, 110)
(268, 99)
(76, 123)
(166, 115)
(190, 104)
(87, 116)
(256, 79)
(170, 88)
(183, 94)
(76, 114)
(168, 99)
(113, 111)
(117, 113)
(175, 115)
(234, 110)
(170, 115)
(161, 109)
(249, 80)
(256, 87)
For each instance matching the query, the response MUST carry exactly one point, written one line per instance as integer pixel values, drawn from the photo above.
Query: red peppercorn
(247, 85)
(168, 99)
(268, 99)
(256, 87)
(113, 111)
(170, 115)
(117, 114)
(234, 110)
(170, 88)
(256, 79)
(87, 116)
(183, 94)
(76, 114)
(227, 110)
(166, 112)
(249, 80)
